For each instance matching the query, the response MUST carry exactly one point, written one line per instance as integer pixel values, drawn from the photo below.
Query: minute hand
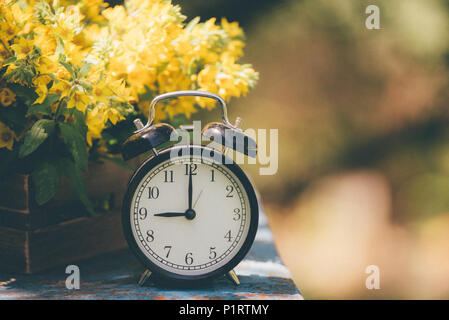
(170, 214)
(190, 188)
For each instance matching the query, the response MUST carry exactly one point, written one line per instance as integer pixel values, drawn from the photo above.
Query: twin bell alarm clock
(189, 213)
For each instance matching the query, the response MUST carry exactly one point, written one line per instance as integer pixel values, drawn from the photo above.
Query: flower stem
(59, 108)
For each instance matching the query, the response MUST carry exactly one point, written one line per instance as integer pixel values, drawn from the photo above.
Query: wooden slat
(75, 240)
(18, 209)
(15, 193)
(13, 249)
(33, 251)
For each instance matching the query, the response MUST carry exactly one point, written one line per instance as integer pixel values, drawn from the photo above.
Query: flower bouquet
(75, 74)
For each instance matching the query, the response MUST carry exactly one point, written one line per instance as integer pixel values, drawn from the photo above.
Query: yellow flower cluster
(147, 44)
(84, 56)
(43, 47)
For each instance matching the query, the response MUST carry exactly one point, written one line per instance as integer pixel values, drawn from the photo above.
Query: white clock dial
(190, 235)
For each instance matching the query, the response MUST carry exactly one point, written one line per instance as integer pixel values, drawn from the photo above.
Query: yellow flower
(102, 93)
(47, 65)
(45, 39)
(79, 100)
(7, 137)
(91, 9)
(62, 73)
(7, 31)
(22, 47)
(41, 91)
(62, 88)
(232, 28)
(7, 97)
(95, 122)
(185, 105)
(120, 91)
(113, 115)
(4, 55)
(206, 78)
(41, 88)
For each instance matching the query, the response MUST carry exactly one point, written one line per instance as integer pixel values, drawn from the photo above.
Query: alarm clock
(189, 213)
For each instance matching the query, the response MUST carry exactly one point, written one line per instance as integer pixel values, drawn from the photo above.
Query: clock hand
(170, 214)
(198, 198)
(190, 188)
(189, 214)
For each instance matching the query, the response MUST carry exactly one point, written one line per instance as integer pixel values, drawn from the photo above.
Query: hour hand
(170, 214)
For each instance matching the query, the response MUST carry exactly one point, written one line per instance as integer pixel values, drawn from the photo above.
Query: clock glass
(190, 215)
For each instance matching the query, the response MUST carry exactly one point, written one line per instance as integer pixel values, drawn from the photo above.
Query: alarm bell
(231, 137)
(147, 138)
(151, 135)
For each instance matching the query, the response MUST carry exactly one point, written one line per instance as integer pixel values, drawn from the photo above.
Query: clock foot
(144, 277)
(233, 277)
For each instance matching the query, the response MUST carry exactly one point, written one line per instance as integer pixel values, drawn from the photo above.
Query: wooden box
(34, 238)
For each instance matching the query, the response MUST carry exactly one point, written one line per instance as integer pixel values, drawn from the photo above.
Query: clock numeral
(230, 190)
(143, 213)
(191, 169)
(237, 214)
(212, 253)
(150, 236)
(153, 192)
(168, 176)
(228, 236)
(168, 248)
(189, 258)
(212, 178)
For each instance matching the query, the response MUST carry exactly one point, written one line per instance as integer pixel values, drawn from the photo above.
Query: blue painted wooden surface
(114, 276)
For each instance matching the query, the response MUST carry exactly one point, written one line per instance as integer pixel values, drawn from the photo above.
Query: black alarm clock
(189, 213)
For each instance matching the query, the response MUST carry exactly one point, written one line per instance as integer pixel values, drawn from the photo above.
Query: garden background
(363, 139)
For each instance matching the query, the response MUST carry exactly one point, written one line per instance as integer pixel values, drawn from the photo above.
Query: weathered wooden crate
(34, 238)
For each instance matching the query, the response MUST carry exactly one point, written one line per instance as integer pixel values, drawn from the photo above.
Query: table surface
(114, 276)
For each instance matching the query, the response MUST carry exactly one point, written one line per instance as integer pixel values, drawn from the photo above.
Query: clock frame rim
(139, 174)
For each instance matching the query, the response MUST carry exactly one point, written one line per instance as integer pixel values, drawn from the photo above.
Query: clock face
(191, 216)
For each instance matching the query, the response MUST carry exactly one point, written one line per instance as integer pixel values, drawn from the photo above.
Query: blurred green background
(362, 115)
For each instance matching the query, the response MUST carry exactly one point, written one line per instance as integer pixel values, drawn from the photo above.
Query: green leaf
(60, 46)
(68, 68)
(162, 67)
(35, 136)
(84, 70)
(78, 185)
(25, 94)
(45, 178)
(75, 143)
(147, 95)
(10, 60)
(14, 115)
(44, 107)
(11, 3)
(80, 121)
